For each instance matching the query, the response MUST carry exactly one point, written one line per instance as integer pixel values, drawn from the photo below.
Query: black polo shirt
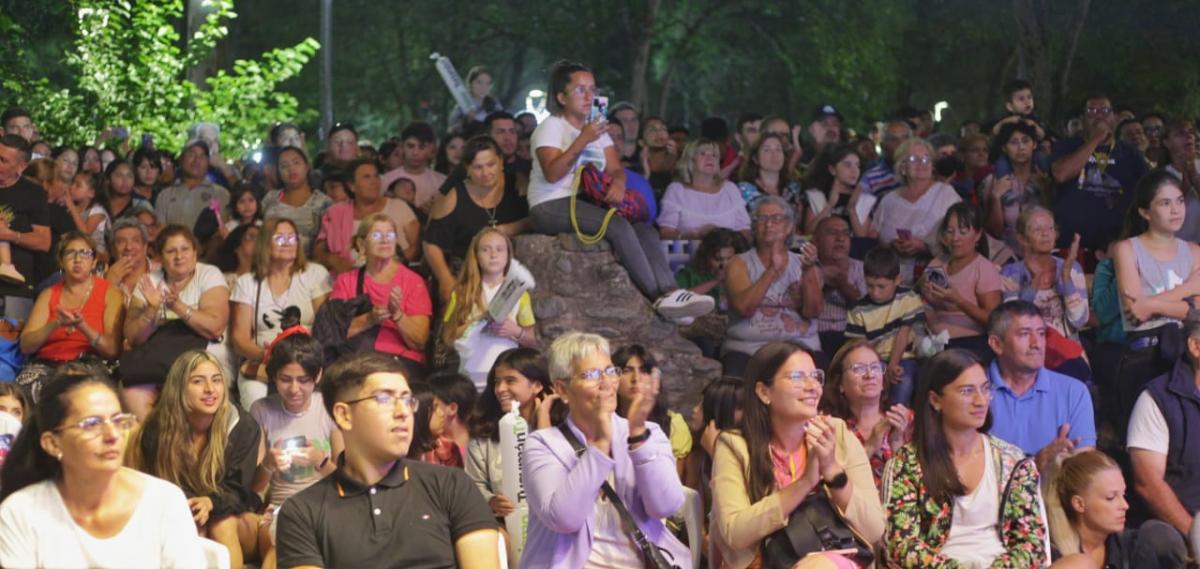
(411, 519)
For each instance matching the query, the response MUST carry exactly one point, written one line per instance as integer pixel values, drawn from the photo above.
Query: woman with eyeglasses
(854, 392)
(67, 501)
(297, 200)
(575, 474)
(1056, 286)
(957, 496)
(563, 144)
(334, 246)
(281, 280)
(783, 458)
(78, 318)
(907, 218)
(963, 286)
(402, 308)
(197, 439)
(189, 297)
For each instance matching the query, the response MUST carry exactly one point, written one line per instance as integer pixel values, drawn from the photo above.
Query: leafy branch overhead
(130, 69)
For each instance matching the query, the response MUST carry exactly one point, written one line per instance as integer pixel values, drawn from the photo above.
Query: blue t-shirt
(1031, 421)
(1093, 203)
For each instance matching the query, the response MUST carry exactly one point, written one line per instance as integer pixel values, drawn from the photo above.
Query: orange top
(65, 343)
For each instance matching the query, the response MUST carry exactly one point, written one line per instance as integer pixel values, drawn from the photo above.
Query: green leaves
(130, 69)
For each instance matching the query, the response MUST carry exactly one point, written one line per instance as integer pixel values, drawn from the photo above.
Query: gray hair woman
(773, 293)
(566, 470)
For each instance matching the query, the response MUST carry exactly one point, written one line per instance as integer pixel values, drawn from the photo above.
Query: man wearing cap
(625, 113)
(824, 131)
(182, 202)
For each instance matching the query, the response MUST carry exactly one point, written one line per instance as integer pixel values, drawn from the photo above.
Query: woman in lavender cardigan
(571, 523)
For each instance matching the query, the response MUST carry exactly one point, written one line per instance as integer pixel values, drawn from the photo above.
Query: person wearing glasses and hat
(379, 509)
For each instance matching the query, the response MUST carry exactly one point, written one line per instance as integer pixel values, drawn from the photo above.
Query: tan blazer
(738, 526)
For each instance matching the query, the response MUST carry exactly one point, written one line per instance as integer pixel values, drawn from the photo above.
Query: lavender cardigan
(562, 491)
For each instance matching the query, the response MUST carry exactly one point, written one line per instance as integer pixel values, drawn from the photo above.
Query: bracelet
(521, 336)
(639, 438)
(95, 342)
(838, 482)
(187, 316)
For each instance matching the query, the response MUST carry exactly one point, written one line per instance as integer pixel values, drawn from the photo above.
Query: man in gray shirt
(182, 202)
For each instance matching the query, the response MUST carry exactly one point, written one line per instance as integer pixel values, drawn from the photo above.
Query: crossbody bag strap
(254, 325)
(651, 552)
(358, 288)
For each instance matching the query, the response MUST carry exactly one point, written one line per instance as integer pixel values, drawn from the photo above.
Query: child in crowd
(14, 401)
(705, 272)
(466, 324)
(886, 317)
(301, 441)
(1018, 101)
(335, 188)
(428, 446)
(88, 204)
(406, 189)
(453, 398)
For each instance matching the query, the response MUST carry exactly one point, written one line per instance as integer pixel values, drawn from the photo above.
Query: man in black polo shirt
(378, 509)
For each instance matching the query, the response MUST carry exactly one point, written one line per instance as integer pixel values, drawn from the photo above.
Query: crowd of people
(938, 349)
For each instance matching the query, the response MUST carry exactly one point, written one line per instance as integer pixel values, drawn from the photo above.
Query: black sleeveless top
(454, 232)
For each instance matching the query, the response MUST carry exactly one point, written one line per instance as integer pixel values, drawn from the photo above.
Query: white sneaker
(685, 321)
(682, 304)
(8, 272)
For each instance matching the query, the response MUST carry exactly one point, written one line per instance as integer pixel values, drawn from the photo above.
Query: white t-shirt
(921, 218)
(280, 427)
(612, 548)
(36, 530)
(974, 541)
(556, 132)
(1148, 427)
(306, 285)
(205, 278)
(688, 210)
(100, 234)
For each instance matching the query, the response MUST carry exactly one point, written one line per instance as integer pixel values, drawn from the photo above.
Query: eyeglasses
(78, 253)
(594, 375)
(1102, 111)
(875, 369)
(644, 370)
(382, 236)
(969, 392)
(919, 160)
(285, 238)
(388, 400)
(93, 426)
(1152, 130)
(584, 90)
(776, 218)
(816, 376)
(1043, 229)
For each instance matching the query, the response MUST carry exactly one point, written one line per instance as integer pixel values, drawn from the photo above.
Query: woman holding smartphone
(962, 287)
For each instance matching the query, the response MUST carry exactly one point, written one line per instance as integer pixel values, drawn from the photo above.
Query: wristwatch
(840, 481)
(639, 438)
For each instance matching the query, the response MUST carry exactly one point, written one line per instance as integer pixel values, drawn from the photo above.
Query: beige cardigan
(738, 527)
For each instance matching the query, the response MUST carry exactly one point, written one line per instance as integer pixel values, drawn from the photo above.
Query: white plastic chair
(215, 554)
(679, 252)
(693, 520)
(503, 550)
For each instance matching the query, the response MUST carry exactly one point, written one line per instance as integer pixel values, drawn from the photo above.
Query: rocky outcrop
(583, 287)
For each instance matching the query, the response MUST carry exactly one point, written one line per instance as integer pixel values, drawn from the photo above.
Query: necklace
(490, 211)
(86, 295)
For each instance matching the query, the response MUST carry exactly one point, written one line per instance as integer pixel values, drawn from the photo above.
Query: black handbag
(654, 556)
(814, 526)
(149, 362)
(332, 324)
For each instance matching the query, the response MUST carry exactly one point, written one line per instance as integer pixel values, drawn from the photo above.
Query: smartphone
(293, 443)
(599, 108)
(937, 276)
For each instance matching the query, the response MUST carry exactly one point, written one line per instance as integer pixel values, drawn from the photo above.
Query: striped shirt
(833, 315)
(879, 323)
(879, 179)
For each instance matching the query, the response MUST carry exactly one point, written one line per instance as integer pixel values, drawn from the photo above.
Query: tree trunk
(197, 12)
(1050, 75)
(641, 61)
(1074, 30)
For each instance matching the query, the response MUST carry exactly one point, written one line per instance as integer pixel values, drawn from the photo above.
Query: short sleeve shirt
(205, 278)
(427, 183)
(282, 428)
(688, 210)
(556, 132)
(306, 216)
(1093, 203)
(978, 277)
(1148, 427)
(24, 205)
(308, 284)
(415, 302)
(179, 204)
(410, 519)
(1031, 420)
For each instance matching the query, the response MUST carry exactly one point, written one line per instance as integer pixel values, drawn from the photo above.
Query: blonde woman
(466, 324)
(700, 200)
(281, 280)
(198, 440)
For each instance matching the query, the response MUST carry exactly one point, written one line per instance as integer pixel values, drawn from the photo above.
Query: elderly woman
(402, 307)
(563, 143)
(281, 280)
(580, 476)
(128, 257)
(775, 293)
(907, 218)
(485, 197)
(185, 295)
(957, 496)
(69, 502)
(784, 457)
(297, 200)
(855, 393)
(76, 318)
(700, 201)
(334, 246)
(1057, 287)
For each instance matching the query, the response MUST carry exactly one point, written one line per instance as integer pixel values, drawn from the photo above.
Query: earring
(58, 456)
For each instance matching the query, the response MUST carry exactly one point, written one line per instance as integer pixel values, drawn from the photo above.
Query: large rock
(583, 287)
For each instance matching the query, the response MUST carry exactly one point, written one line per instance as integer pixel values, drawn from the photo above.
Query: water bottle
(454, 82)
(513, 431)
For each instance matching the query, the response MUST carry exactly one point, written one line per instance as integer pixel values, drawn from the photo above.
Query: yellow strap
(587, 239)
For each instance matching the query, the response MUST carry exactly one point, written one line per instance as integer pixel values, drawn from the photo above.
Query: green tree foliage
(129, 67)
